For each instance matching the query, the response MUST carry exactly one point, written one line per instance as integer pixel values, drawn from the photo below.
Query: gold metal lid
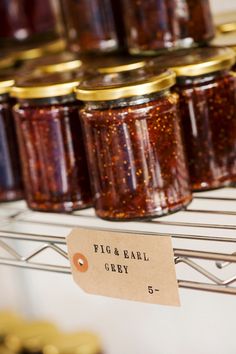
(225, 17)
(29, 53)
(196, 62)
(115, 86)
(56, 46)
(7, 61)
(116, 64)
(225, 40)
(6, 85)
(55, 63)
(46, 86)
(227, 27)
(59, 67)
(74, 343)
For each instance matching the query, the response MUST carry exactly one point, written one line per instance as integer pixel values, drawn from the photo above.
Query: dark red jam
(52, 152)
(90, 25)
(26, 20)
(136, 158)
(154, 25)
(206, 88)
(208, 110)
(11, 186)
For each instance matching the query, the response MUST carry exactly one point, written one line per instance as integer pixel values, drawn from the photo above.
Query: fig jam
(155, 25)
(134, 147)
(24, 21)
(206, 88)
(11, 186)
(208, 111)
(51, 146)
(90, 26)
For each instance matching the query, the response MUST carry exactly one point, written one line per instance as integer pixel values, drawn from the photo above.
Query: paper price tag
(125, 266)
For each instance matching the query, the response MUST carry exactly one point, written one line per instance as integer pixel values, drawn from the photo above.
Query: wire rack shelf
(203, 236)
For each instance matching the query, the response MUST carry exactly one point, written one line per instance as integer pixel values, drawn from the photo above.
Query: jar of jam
(155, 25)
(206, 87)
(90, 26)
(134, 146)
(51, 145)
(24, 21)
(11, 186)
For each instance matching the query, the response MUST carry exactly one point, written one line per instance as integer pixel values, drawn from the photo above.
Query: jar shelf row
(204, 246)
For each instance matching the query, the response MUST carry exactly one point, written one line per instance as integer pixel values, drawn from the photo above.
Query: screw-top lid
(6, 61)
(226, 40)
(29, 53)
(123, 85)
(115, 64)
(46, 86)
(6, 84)
(54, 63)
(225, 21)
(196, 62)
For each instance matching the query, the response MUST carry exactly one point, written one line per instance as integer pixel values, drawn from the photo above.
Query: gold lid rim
(121, 68)
(7, 62)
(44, 91)
(29, 54)
(217, 63)
(224, 40)
(145, 87)
(6, 86)
(226, 27)
(34, 53)
(54, 46)
(59, 67)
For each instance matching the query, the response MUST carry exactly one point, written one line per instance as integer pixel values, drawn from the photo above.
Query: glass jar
(51, 146)
(134, 146)
(24, 21)
(11, 186)
(206, 87)
(155, 25)
(90, 26)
